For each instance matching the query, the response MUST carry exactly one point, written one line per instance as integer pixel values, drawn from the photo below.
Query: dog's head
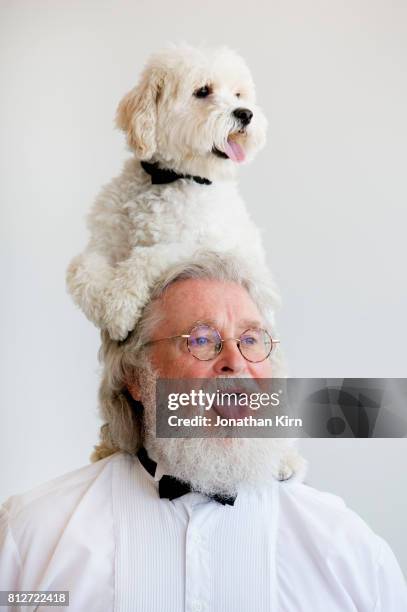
(194, 111)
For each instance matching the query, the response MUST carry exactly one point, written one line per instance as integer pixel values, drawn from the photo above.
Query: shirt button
(197, 606)
(197, 539)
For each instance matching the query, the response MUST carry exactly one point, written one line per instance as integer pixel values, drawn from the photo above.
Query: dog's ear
(137, 113)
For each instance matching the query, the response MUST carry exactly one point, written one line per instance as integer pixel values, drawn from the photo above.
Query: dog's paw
(123, 308)
(121, 316)
(119, 330)
(84, 281)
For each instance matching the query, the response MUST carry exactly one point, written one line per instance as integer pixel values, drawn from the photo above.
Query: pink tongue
(234, 151)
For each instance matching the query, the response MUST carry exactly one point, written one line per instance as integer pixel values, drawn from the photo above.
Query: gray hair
(123, 416)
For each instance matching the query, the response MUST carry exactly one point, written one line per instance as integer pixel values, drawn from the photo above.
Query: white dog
(190, 121)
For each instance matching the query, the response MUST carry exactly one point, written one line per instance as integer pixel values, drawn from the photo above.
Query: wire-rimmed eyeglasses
(204, 342)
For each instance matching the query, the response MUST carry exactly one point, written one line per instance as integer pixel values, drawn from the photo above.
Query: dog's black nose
(244, 115)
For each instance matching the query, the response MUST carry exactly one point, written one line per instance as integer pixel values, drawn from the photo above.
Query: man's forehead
(215, 303)
(201, 290)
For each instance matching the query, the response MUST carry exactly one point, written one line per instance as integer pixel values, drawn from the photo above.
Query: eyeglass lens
(205, 343)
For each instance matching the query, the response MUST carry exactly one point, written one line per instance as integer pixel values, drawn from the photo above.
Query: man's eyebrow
(242, 323)
(250, 323)
(210, 322)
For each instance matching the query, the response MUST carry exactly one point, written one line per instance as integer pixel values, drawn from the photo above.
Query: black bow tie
(170, 487)
(160, 176)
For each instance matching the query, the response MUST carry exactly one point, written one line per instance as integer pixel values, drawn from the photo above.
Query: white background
(329, 192)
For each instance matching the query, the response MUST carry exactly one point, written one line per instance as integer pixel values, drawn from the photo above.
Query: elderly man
(158, 524)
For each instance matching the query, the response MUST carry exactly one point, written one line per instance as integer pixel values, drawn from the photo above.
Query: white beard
(215, 465)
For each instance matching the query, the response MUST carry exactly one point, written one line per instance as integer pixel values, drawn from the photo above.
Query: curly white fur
(137, 228)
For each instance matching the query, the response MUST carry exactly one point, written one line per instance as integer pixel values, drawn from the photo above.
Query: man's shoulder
(49, 529)
(296, 491)
(59, 495)
(324, 518)
(319, 526)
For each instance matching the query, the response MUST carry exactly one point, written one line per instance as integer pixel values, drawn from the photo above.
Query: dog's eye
(202, 92)
(237, 95)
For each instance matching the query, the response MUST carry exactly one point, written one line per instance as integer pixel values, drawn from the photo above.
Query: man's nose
(244, 115)
(230, 360)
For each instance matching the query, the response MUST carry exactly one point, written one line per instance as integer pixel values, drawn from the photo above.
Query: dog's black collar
(160, 176)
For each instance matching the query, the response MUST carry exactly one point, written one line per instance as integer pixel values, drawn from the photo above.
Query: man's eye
(249, 340)
(202, 92)
(201, 341)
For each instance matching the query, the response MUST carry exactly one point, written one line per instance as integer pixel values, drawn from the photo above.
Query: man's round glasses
(205, 343)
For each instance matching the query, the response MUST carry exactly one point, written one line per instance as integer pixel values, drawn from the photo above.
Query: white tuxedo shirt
(103, 534)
